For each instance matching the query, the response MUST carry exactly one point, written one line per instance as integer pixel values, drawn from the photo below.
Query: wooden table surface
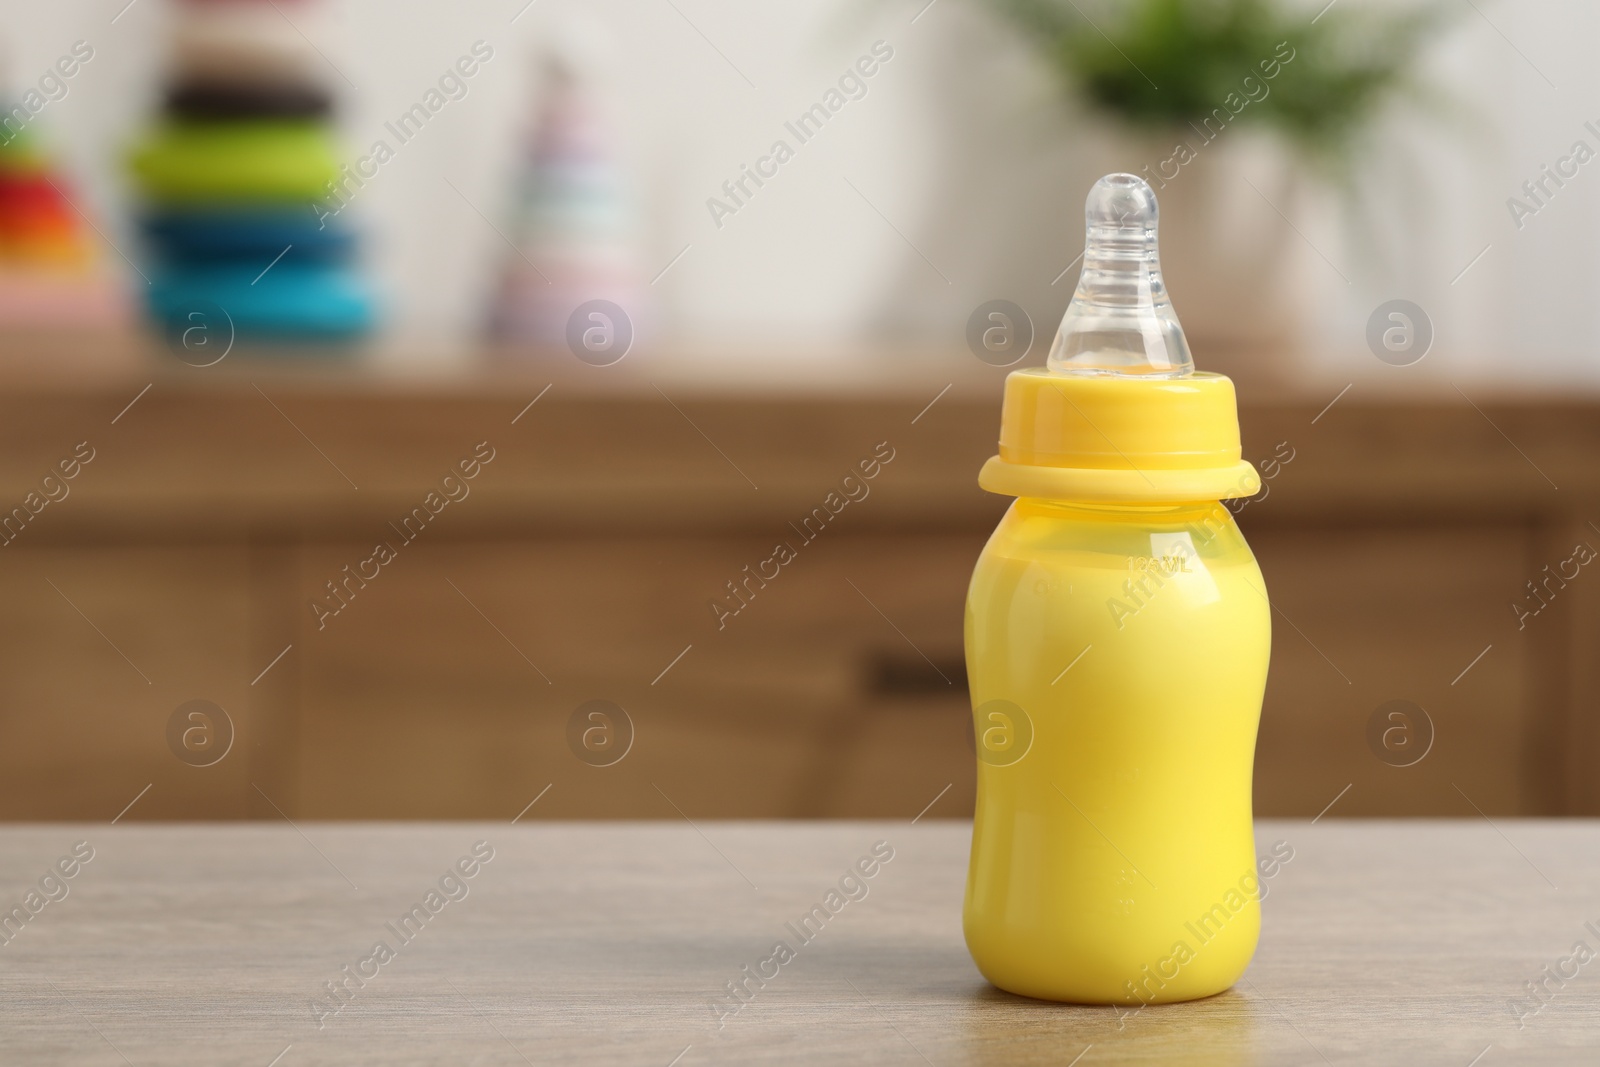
(1383, 942)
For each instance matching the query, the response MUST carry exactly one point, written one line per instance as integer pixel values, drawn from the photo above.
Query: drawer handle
(892, 674)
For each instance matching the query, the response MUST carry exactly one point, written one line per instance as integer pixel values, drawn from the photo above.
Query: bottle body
(1117, 656)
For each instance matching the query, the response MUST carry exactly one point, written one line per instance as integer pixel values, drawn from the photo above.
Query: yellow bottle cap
(1106, 438)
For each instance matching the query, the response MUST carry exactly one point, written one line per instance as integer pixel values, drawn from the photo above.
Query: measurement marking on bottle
(1071, 665)
(1174, 564)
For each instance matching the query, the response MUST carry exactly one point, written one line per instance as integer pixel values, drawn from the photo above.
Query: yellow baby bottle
(1117, 635)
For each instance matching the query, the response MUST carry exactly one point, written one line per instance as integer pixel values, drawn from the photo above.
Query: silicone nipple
(1120, 322)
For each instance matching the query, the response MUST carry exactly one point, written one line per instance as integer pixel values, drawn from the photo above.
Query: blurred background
(397, 398)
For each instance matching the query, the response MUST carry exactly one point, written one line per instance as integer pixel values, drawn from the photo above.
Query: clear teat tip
(1120, 322)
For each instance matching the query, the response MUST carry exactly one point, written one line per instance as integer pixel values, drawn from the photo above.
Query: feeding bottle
(1117, 636)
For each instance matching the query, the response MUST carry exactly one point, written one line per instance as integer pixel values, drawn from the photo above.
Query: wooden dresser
(581, 562)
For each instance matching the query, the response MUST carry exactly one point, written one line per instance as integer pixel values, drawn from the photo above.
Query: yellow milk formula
(1117, 639)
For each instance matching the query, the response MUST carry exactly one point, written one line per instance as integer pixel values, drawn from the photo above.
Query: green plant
(1164, 64)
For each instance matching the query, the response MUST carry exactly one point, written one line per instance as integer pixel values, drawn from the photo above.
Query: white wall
(959, 143)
